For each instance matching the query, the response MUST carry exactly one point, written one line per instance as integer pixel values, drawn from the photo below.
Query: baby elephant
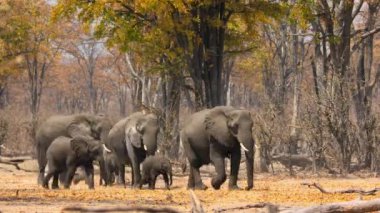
(65, 154)
(110, 161)
(154, 166)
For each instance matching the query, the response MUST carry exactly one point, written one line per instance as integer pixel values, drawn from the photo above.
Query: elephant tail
(41, 158)
(170, 177)
(182, 156)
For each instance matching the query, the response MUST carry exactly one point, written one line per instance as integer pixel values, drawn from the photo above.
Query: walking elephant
(154, 166)
(65, 154)
(132, 139)
(212, 135)
(86, 125)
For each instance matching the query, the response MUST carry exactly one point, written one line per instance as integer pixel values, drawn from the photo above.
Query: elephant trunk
(249, 164)
(247, 144)
(150, 144)
(104, 135)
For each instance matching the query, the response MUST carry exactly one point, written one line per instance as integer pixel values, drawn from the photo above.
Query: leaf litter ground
(20, 193)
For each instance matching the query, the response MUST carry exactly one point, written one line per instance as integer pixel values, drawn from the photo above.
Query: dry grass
(19, 192)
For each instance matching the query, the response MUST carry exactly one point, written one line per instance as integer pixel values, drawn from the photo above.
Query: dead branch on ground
(346, 191)
(19, 159)
(119, 209)
(296, 160)
(196, 206)
(271, 208)
(347, 207)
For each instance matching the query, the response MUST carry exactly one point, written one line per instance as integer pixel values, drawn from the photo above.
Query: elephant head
(143, 133)
(232, 127)
(87, 149)
(100, 127)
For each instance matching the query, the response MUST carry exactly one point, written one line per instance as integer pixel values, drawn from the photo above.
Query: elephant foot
(45, 186)
(135, 186)
(54, 187)
(200, 186)
(234, 187)
(217, 182)
(248, 188)
(40, 179)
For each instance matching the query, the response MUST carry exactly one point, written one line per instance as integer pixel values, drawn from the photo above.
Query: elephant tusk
(145, 147)
(244, 148)
(105, 148)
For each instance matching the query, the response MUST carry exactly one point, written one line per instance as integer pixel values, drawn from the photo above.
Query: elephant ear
(216, 126)
(79, 146)
(133, 136)
(79, 127)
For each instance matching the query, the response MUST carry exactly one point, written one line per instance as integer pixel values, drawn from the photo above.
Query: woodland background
(307, 69)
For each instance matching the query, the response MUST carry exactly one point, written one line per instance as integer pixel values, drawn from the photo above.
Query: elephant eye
(234, 128)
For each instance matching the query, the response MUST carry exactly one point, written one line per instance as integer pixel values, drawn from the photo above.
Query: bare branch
(271, 207)
(364, 36)
(346, 191)
(196, 206)
(119, 209)
(350, 206)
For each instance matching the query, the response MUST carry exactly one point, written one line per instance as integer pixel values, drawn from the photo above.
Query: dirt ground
(20, 193)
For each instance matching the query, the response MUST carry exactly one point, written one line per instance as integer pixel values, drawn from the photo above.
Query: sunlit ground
(19, 192)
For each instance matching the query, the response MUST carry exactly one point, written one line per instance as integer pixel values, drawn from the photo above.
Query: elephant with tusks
(210, 136)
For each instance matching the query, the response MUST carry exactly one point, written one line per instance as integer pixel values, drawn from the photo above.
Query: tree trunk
(171, 102)
(36, 73)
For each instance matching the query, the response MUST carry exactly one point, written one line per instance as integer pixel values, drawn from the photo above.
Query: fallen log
(356, 206)
(302, 161)
(345, 191)
(270, 208)
(18, 159)
(119, 209)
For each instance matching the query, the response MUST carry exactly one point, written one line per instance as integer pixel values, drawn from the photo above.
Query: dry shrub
(15, 129)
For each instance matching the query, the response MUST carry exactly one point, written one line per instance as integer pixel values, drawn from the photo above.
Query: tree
(199, 30)
(39, 45)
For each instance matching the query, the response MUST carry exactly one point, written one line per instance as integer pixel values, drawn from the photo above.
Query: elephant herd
(67, 142)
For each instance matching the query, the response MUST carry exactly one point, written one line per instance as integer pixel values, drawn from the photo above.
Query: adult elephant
(210, 136)
(132, 139)
(85, 125)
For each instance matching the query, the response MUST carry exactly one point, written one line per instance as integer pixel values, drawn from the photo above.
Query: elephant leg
(132, 177)
(69, 176)
(234, 171)
(194, 181)
(152, 180)
(107, 176)
(190, 180)
(55, 181)
(136, 175)
(47, 178)
(41, 153)
(103, 173)
(135, 163)
(198, 184)
(121, 176)
(218, 161)
(62, 177)
(166, 179)
(89, 169)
